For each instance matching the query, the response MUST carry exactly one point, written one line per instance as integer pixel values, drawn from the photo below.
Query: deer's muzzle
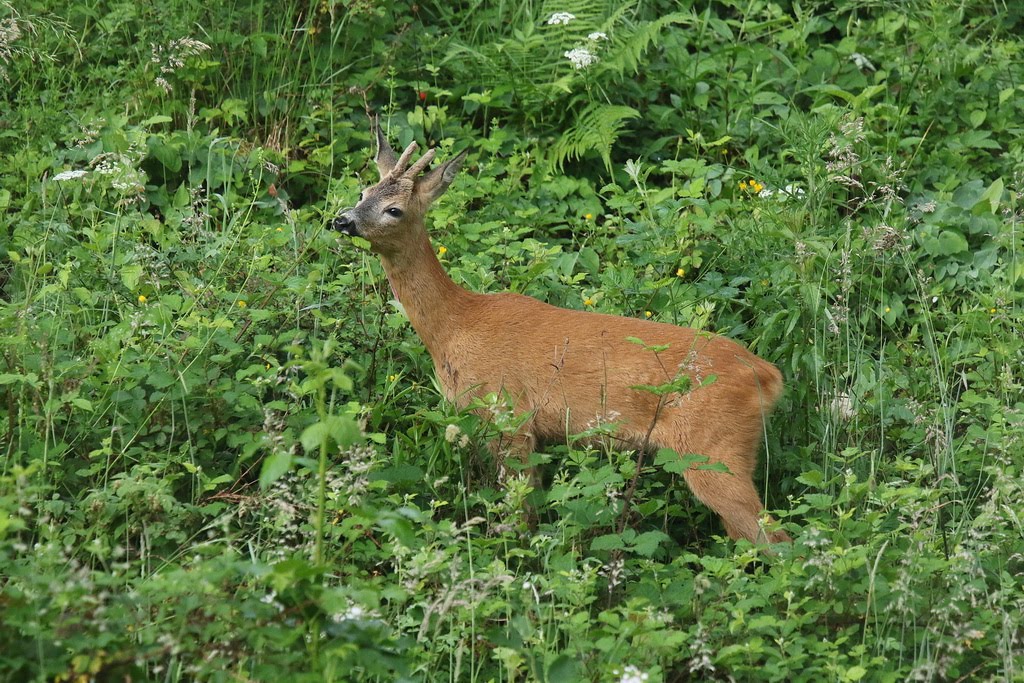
(345, 224)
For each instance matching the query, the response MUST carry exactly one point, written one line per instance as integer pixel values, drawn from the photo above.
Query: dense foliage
(223, 454)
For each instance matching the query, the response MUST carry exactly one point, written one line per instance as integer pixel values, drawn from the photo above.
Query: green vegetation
(223, 455)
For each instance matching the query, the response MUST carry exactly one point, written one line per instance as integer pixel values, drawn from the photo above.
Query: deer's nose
(345, 224)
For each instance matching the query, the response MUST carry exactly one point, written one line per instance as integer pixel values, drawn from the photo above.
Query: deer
(560, 368)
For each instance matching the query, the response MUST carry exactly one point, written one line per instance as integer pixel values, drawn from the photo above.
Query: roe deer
(564, 368)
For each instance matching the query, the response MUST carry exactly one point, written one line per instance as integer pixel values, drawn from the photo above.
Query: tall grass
(224, 452)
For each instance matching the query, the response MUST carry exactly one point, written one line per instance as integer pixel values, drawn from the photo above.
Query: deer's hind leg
(732, 495)
(734, 498)
(516, 446)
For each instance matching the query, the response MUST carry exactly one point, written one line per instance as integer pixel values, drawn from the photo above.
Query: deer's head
(391, 212)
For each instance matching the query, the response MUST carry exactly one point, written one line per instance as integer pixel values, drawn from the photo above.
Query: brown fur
(567, 368)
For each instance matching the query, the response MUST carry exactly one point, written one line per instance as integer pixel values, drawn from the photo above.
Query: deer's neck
(431, 300)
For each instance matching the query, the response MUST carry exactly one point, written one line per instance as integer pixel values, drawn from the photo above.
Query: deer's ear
(385, 155)
(432, 184)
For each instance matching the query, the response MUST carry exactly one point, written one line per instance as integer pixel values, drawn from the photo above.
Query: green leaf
(563, 668)
(607, 542)
(993, 195)
(10, 378)
(969, 194)
(812, 478)
(341, 429)
(768, 98)
(82, 403)
(674, 463)
(314, 435)
(855, 673)
(275, 465)
(168, 155)
(400, 528)
(130, 275)
(648, 542)
(947, 243)
(159, 118)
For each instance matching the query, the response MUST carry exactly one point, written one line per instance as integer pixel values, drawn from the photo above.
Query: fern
(629, 46)
(596, 129)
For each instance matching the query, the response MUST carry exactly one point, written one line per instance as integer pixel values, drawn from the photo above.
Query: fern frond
(596, 129)
(629, 45)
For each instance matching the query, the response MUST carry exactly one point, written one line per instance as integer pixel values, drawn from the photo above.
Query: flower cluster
(631, 674)
(70, 175)
(751, 185)
(580, 57)
(559, 18)
(761, 190)
(348, 485)
(171, 57)
(454, 434)
(123, 172)
(9, 34)
(614, 571)
(353, 612)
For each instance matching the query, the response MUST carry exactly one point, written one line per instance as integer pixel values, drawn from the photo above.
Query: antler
(393, 168)
(421, 164)
(403, 161)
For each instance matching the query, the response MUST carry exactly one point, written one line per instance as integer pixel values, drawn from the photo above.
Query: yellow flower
(280, 229)
(680, 272)
(743, 184)
(142, 298)
(888, 310)
(588, 216)
(442, 250)
(392, 378)
(992, 311)
(241, 303)
(647, 314)
(588, 301)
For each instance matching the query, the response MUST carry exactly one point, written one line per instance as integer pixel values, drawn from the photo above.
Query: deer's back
(591, 367)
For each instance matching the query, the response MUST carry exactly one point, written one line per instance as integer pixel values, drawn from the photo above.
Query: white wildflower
(580, 57)
(842, 406)
(353, 612)
(9, 34)
(793, 191)
(598, 35)
(171, 57)
(631, 674)
(782, 195)
(70, 175)
(862, 62)
(451, 433)
(560, 18)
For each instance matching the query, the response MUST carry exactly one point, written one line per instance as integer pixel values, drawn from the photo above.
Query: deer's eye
(393, 211)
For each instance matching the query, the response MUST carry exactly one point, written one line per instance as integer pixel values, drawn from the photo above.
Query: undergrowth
(225, 457)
